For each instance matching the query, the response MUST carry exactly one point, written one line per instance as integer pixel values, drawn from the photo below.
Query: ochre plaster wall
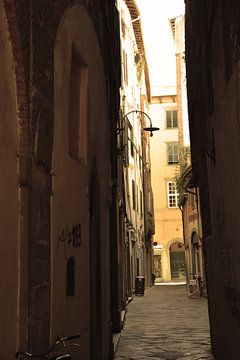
(168, 222)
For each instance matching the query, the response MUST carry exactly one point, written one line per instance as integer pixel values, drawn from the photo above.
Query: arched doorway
(177, 261)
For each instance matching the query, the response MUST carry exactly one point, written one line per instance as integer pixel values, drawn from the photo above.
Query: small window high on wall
(70, 277)
(78, 103)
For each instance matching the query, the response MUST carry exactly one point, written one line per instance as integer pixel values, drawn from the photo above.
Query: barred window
(70, 283)
(172, 194)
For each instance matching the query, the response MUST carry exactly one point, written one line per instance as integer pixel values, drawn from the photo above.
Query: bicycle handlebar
(21, 355)
(68, 338)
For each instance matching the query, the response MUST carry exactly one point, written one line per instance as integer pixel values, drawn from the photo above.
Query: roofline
(137, 28)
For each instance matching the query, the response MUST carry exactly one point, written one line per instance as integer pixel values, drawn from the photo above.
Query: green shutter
(168, 117)
(175, 120)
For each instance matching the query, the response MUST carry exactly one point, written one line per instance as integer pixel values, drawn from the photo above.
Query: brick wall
(32, 29)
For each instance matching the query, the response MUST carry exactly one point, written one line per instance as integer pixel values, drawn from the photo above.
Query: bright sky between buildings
(158, 39)
(159, 47)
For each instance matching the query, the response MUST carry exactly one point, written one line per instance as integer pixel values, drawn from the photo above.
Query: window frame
(172, 195)
(125, 66)
(130, 136)
(172, 112)
(78, 107)
(133, 195)
(175, 157)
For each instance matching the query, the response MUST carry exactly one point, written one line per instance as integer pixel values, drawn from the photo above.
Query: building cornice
(135, 13)
(164, 99)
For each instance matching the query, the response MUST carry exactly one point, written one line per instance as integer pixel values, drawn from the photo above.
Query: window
(78, 108)
(138, 267)
(70, 284)
(172, 194)
(125, 67)
(131, 140)
(171, 119)
(172, 151)
(141, 204)
(126, 144)
(137, 198)
(133, 195)
(192, 201)
(140, 160)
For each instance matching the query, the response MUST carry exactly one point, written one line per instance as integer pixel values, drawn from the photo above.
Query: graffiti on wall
(71, 236)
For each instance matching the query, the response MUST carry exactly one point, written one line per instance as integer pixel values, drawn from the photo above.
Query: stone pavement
(165, 324)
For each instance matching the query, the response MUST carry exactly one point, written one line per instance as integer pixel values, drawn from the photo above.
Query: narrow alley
(165, 324)
(120, 143)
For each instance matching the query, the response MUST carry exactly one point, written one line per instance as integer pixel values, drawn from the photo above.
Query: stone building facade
(212, 58)
(189, 203)
(135, 224)
(169, 257)
(168, 109)
(57, 195)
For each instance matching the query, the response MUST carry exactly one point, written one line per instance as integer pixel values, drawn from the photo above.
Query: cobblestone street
(165, 324)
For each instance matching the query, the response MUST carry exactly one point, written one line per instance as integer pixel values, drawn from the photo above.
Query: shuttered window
(172, 153)
(171, 119)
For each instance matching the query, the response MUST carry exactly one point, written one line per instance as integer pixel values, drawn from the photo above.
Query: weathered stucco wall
(72, 184)
(27, 127)
(168, 221)
(9, 211)
(212, 54)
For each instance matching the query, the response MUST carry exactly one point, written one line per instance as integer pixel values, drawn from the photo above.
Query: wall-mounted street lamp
(150, 128)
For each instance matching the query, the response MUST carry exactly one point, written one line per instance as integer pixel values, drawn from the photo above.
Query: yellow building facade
(169, 257)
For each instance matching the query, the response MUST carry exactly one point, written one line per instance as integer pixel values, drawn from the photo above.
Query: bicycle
(64, 341)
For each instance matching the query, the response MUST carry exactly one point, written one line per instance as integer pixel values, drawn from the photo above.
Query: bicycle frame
(64, 341)
(62, 357)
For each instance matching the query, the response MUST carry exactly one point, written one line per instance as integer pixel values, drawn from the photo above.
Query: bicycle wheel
(61, 357)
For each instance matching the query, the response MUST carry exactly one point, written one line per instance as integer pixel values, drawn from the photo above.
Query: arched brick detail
(173, 241)
(32, 30)
(13, 10)
(19, 72)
